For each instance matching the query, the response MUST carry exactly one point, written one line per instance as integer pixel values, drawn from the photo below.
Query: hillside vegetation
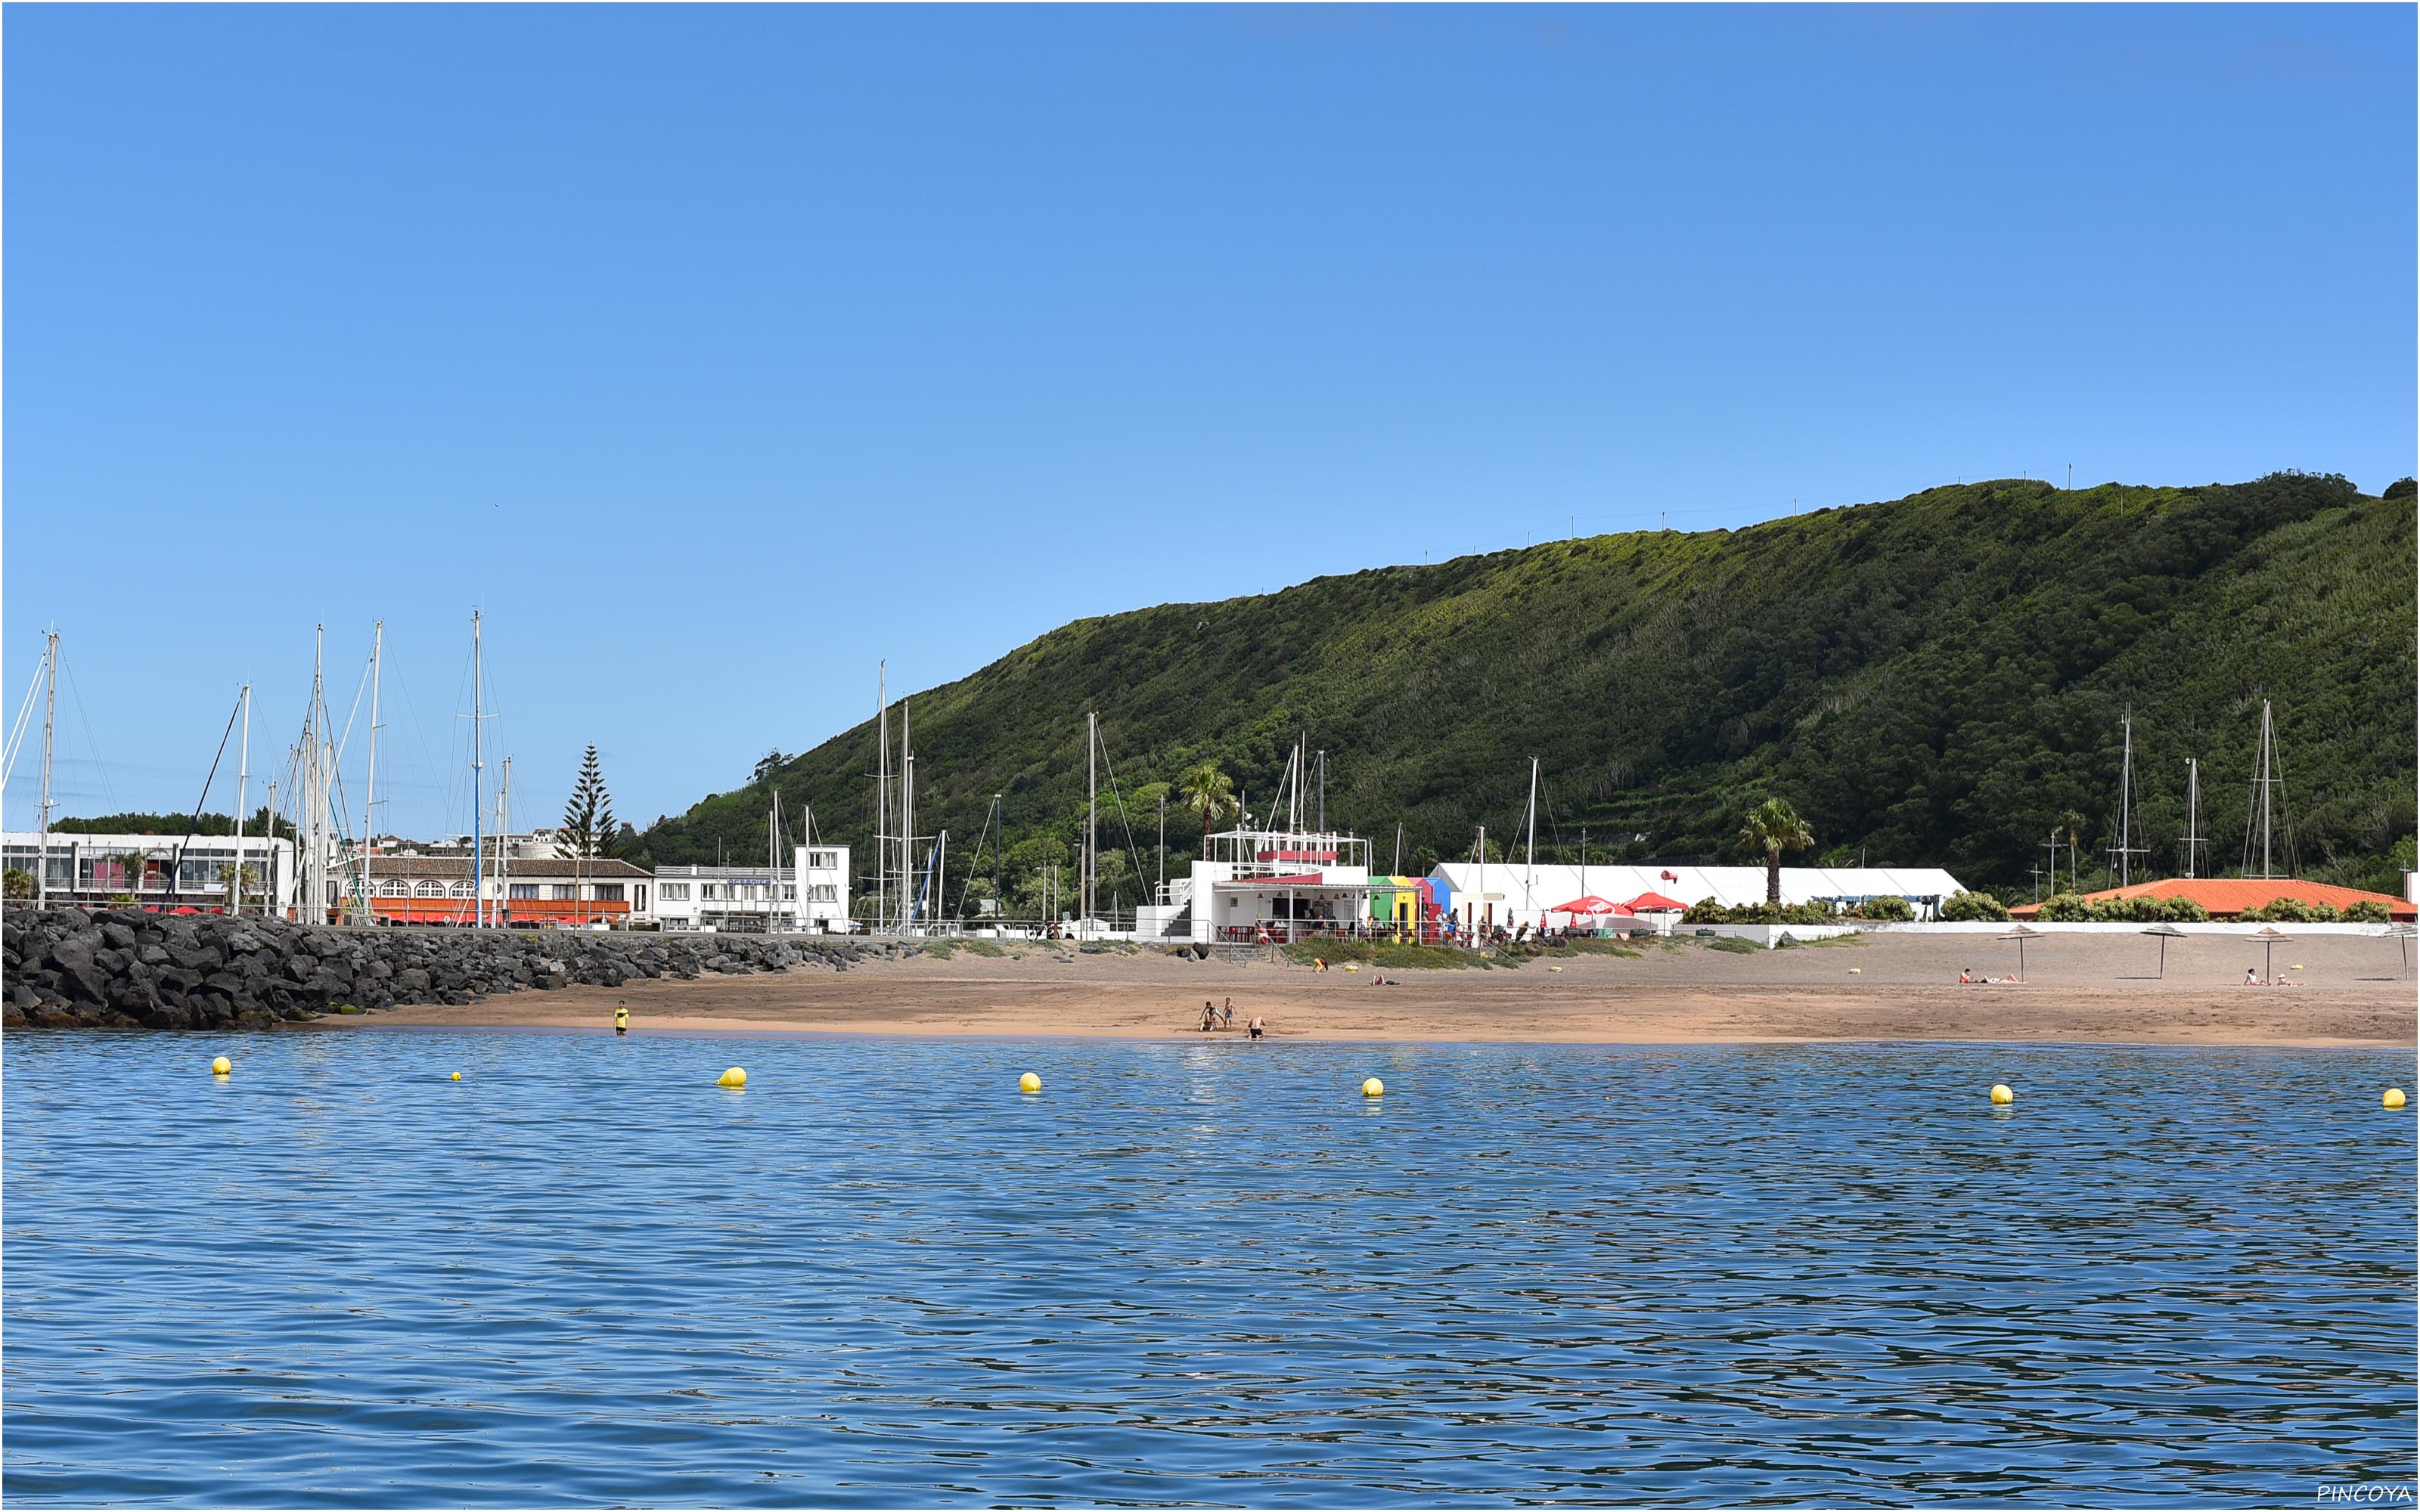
(1936, 679)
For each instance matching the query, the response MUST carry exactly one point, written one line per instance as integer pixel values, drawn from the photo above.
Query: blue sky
(715, 353)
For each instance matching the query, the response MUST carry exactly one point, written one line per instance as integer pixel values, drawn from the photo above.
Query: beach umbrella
(2403, 933)
(2269, 939)
(2165, 932)
(1656, 903)
(2021, 934)
(1591, 905)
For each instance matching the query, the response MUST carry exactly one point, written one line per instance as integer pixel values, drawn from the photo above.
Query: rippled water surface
(1197, 1274)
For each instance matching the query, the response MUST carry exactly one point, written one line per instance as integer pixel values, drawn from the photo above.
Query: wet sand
(2350, 991)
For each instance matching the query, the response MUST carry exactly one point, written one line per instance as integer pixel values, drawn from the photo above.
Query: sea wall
(81, 968)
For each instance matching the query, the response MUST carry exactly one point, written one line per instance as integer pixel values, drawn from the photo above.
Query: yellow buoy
(1029, 1083)
(2393, 1098)
(1374, 1087)
(2000, 1093)
(458, 1076)
(221, 1066)
(734, 1078)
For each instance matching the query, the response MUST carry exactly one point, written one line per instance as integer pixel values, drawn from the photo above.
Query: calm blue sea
(1193, 1275)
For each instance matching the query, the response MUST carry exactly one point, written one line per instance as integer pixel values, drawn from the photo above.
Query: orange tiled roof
(2225, 897)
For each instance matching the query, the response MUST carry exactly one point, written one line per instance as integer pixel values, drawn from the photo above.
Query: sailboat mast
(369, 773)
(242, 778)
(906, 821)
(314, 876)
(1091, 809)
(1529, 883)
(479, 795)
(2126, 808)
(773, 859)
(50, 707)
(2192, 814)
(882, 795)
(2263, 789)
(503, 913)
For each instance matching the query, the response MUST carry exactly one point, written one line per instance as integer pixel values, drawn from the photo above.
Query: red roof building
(2228, 897)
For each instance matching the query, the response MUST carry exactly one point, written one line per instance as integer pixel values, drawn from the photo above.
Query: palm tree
(1210, 790)
(2071, 825)
(1773, 826)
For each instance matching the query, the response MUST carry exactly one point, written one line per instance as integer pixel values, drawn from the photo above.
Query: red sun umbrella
(1647, 901)
(1591, 905)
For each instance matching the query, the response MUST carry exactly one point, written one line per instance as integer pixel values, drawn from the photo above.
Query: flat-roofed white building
(157, 870)
(811, 895)
(1510, 894)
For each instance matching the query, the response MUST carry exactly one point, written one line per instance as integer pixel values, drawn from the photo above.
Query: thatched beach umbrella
(2403, 933)
(2165, 932)
(2021, 934)
(2269, 939)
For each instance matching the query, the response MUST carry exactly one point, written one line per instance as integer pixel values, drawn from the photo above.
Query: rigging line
(24, 722)
(177, 866)
(1122, 817)
(418, 732)
(84, 717)
(359, 690)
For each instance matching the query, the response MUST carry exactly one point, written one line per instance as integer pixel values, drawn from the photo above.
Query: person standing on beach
(1227, 1014)
(621, 1019)
(1259, 1026)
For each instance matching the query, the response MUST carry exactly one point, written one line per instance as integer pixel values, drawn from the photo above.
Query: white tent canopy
(1524, 894)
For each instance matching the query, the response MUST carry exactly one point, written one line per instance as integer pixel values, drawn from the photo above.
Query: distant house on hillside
(2230, 897)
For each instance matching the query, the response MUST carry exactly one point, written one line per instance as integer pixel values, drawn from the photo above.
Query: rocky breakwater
(81, 968)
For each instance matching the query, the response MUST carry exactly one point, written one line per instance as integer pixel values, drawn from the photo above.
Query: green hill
(1931, 680)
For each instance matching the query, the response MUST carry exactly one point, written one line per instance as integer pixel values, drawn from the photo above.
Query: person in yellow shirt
(621, 1020)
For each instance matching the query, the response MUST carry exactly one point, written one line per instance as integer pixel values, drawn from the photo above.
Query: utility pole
(50, 708)
(2037, 876)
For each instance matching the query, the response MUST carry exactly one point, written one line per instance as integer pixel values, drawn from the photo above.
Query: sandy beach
(2349, 991)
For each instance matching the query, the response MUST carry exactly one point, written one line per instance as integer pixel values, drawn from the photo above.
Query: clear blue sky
(717, 352)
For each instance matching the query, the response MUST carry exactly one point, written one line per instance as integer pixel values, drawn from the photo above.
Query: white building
(1510, 894)
(1263, 886)
(809, 895)
(156, 870)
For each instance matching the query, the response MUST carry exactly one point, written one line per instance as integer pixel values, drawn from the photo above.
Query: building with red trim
(437, 890)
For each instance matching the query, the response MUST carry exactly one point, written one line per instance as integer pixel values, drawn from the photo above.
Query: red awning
(1591, 905)
(1650, 902)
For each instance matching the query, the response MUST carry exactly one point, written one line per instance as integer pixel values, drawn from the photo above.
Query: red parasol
(1650, 902)
(1591, 905)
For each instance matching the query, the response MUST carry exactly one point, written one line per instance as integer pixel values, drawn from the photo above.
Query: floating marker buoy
(2393, 1098)
(1374, 1087)
(733, 1078)
(1029, 1083)
(221, 1066)
(2000, 1093)
(458, 1076)
(1856, 971)
(1554, 968)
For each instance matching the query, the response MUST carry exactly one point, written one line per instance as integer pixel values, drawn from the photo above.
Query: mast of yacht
(479, 795)
(907, 819)
(269, 856)
(773, 859)
(369, 773)
(315, 867)
(243, 779)
(503, 913)
(1091, 811)
(2192, 814)
(50, 707)
(2260, 815)
(882, 795)
(2124, 850)
(1323, 793)
(1530, 881)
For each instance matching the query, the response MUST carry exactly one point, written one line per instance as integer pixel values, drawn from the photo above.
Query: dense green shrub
(2292, 911)
(1885, 910)
(2064, 908)
(1974, 907)
(2367, 911)
(1731, 946)
(1707, 911)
